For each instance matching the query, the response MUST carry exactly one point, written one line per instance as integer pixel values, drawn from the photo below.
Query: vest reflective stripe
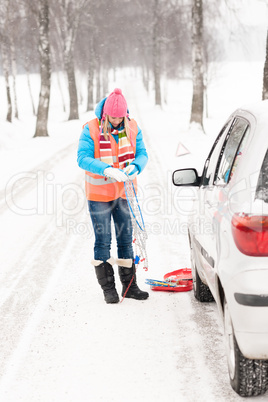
(99, 181)
(99, 188)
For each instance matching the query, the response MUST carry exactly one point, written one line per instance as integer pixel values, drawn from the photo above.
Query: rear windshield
(262, 186)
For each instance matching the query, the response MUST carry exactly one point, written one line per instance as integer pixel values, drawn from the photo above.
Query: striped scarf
(125, 151)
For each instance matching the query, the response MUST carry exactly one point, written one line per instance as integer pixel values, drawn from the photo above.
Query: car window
(238, 154)
(262, 186)
(230, 151)
(211, 161)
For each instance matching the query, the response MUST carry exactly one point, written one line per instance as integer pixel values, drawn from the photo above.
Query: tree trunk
(69, 65)
(90, 79)
(197, 63)
(30, 92)
(55, 62)
(145, 77)
(5, 63)
(105, 85)
(90, 88)
(27, 69)
(44, 53)
(9, 104)
(98, 84)
(70, 26)
(5, 51)
(265, 74)
(14, 74)
(61, 92)
(157, 53)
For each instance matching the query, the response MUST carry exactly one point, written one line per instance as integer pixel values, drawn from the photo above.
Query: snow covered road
(59, 341)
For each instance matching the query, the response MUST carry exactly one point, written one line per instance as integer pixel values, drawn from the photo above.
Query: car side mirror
(185, 177)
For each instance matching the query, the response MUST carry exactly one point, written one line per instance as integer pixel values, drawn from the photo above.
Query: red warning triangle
(182, 150)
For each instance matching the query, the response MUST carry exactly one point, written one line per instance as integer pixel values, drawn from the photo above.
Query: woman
(110, 148)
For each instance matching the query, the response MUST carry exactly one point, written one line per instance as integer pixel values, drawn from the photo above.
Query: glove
(116, 174)
(132, 171)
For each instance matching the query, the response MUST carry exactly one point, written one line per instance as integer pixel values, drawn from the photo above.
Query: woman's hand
(116, 174)
(132, 171)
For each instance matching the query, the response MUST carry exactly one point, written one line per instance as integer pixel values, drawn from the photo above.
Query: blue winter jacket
(85, 154)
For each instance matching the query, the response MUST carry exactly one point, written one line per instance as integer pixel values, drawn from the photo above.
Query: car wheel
(247, 377)
(201, 290)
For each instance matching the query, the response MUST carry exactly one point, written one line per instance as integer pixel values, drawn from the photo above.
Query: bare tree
(27, 67)
(98, 84)
(67, 15)
(69, 32)
(197, 63)
(44, 52)
(157, 51)
(14, 73)
(89, 26)
(6, 75)
(265, 74)
(4, 20)
(13, 31)
(55, 61)
(28, 43)
(90, 76)
(161, 39)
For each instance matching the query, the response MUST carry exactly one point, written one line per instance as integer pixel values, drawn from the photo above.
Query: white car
(228, 235)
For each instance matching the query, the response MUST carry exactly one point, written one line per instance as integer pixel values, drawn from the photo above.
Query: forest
(161, 38)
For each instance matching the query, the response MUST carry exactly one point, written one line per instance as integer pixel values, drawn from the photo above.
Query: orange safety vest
(100, 188)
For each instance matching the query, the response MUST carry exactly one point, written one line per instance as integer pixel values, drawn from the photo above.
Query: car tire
(201, 290)
(248, 377)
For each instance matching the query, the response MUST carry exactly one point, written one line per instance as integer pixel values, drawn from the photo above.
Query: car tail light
(250, 234)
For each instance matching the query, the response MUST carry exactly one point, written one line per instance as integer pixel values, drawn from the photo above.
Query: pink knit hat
(115, 105)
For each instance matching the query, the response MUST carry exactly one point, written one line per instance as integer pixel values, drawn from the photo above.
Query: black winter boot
(127, 271)
(105, 276)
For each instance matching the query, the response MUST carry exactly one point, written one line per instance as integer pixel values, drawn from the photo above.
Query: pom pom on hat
(115, 105)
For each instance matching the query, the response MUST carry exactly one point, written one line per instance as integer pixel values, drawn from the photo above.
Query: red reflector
(250, 234)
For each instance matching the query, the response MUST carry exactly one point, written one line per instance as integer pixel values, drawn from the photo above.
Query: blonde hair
(107, 128)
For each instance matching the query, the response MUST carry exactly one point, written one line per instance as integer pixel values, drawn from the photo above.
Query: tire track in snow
(23, 265)
(23, 185)
(28, 282)
(28, 287)
(34, 317)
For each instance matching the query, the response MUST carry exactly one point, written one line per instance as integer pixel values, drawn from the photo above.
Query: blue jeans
(101, 214)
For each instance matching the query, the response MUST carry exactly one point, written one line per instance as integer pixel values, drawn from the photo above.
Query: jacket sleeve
(141, 156)
(85, 154)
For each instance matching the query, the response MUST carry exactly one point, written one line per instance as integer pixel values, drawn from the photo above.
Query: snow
(59, 340)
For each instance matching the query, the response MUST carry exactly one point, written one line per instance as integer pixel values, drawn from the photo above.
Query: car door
(215, 193)
(201, 224)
